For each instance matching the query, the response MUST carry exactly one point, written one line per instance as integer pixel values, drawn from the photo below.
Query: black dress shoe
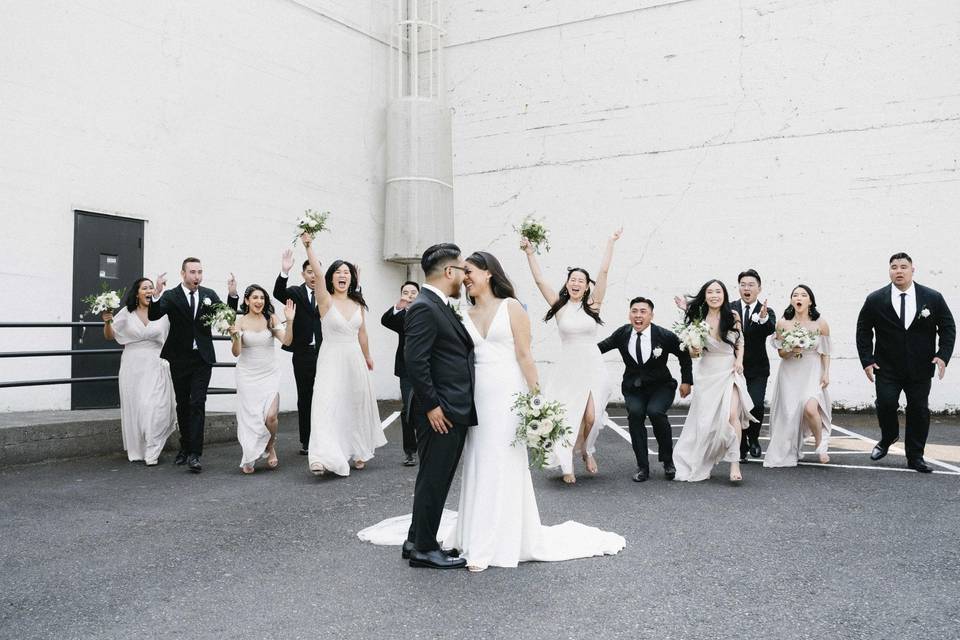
(641, 475)
(181, 458)
(755, 450)
(193, 464)
(408, 460)
(879, 450)
(303, 451)
(669, 471)
(919, 465)
(408, 547)
(435, 559)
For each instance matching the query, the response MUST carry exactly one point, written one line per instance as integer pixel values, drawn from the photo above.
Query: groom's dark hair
(437, 257)
(900, 256)
(750, 273)
(641, 299)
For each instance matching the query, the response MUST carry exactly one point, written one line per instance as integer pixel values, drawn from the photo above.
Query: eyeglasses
(450, 266)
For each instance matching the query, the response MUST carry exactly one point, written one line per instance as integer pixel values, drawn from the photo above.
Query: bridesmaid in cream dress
(344, 419)
(258, 375)
(720, 405)
(579, 379)
(800, 404)
(147, 411)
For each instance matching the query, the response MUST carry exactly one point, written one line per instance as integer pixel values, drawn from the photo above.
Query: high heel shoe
(317, 469)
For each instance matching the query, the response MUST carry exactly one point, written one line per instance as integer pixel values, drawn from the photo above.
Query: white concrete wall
(217, 122)
(809, 140)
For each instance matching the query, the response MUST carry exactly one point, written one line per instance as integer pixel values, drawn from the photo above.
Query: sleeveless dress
(707, 436)
(258, 386)
(147, 410)
(798, 381)
(498, 523)
(578, 373)
(344, 419)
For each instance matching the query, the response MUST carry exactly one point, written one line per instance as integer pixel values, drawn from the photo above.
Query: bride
(498, 523)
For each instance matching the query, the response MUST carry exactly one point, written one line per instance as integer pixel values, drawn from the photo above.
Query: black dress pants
(650, 401)
(918, 412)
(305, 373)
(757, 389)
(191, 379)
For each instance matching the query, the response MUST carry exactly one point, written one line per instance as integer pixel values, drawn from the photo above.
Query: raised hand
(306, 239)
(107, 316)
(402, 303)
(286, 261)
(763, 311)
(289, 310)
(616, 234)
(526, 245)
(232, 285)
(160, 285)
(681, 302)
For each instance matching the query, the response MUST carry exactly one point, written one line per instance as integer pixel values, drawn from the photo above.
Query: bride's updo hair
(500, 284)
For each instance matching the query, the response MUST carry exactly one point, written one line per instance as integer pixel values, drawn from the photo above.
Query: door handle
(83, 330)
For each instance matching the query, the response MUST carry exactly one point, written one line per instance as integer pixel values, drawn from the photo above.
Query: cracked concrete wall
(809, 140)
(217, 122)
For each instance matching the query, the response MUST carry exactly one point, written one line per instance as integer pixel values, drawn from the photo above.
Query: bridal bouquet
(312, 222)
(806, 339)
(106, 300)
(692, 334)
(541, 426)
(535, 232)
(220, 318)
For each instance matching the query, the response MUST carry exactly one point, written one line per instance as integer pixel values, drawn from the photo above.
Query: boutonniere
(657, 352)
(456, 311)
(755, 317)
(207, 302)
(924, 313)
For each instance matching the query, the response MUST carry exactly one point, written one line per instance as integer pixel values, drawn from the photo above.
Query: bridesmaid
(258, 375)
(800, 403)
(345, 421)
(579, 379)
(721, 405)
(147, 411)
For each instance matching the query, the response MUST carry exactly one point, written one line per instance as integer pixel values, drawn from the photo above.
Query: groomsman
(758, 323)
(898, 331)
(393, 319)
(648, 387)
(189, 350)
(307, 336)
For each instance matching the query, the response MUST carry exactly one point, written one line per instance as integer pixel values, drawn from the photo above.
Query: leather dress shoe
(408, 460)
(755, 450)
(408, 548)
(181, 458)
(435, 559)
(918, 464)
(879, 451)
(641, 475)
(669, 470)
(193, 464)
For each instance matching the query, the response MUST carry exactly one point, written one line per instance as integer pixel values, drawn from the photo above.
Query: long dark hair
(353, 291)
(697, 309)
(500, 284)
(563, 297)
(132, 300)
(790, 312)
(267, 305)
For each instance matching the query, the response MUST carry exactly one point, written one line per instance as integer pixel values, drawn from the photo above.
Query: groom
(897, 334)
(438, 353)
(189, 350)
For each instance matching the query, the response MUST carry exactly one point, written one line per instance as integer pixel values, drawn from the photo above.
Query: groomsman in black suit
(758, 323)
(393, 319)
(307, 337)
(898, 331)
(189, 350)
(648, 387)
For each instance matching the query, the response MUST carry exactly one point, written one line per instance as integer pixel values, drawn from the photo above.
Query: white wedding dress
(498, 523)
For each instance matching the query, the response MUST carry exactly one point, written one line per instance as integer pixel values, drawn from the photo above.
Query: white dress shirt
(196, 303)
(645, 345)
(910, 300)
(440, 294)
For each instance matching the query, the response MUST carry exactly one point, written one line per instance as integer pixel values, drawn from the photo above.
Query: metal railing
(79, 352)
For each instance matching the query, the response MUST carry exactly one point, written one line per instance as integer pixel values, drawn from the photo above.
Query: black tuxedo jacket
(756, 363)
(184, 330)
(654, 371)
(905, 353)
(394, 322)
(439, 360)
(307, 319)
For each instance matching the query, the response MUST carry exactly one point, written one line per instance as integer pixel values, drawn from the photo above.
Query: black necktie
(313, 303)
(746, 313)
(193, 307)
(639, 349)
(903, 309)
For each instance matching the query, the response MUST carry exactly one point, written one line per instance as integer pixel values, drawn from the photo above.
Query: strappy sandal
(359, 464)
(590, 464)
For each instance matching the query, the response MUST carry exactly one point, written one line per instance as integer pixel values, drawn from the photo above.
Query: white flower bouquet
(541, 426)
(106, 300)
(805, 339)
(693, 335)
(535, 232)
(220, 318)
(312, 222)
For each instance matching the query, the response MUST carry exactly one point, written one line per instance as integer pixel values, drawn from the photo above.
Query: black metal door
(106, 249)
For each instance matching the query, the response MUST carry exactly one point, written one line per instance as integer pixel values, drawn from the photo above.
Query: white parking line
(393, 416)
(854, 434)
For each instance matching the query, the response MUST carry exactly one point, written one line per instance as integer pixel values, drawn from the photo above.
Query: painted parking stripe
(393, 416)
